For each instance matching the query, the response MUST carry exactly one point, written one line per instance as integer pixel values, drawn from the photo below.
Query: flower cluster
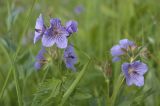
(135, 69)
(56, 34)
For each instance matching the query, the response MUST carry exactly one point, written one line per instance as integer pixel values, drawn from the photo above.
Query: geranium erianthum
(70, 57)
(134, 73)
(55, 34)
(40, 59)
(71, 27)
(39, 28)
(122, 48)
(79, 9)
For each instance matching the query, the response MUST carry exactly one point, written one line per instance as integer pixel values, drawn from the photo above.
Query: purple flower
(117, 51)
(55, 34)
(39, 28)
(116, 59)
(79, 9)
(40, 59)
(70, 57)
(134, 73)
(124, 46)
(71, 26)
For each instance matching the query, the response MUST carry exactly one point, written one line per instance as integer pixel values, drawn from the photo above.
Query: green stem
(8, 75)
(108, 90)
(108, 98)
(74, 84)
(12, 60)
(14, 70)
(1, 76)
(28, 20)
(5, 83)
(45, 74)
(85, 54)
(116, 90)
(97, 97)
(17, 88)
(5, 53)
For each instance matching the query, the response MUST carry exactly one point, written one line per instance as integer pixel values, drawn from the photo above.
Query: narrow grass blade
(74, 84)
(5, 83)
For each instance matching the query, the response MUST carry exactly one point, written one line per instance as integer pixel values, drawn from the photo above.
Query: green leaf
(47, 90)
(139, 99)
(74, 84)
(81, 96)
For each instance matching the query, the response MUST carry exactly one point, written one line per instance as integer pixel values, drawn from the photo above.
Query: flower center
(56, 31)
(131, 70)
(70, 56)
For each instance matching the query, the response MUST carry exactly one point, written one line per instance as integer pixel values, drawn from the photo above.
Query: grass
(101, 25)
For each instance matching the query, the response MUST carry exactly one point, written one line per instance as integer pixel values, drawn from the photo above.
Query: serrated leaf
(47, 90)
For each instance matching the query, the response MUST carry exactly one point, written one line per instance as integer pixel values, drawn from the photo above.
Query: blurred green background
(101, 24)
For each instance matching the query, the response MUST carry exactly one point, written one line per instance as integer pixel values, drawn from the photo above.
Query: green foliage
(47, 92)
(101, 25)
